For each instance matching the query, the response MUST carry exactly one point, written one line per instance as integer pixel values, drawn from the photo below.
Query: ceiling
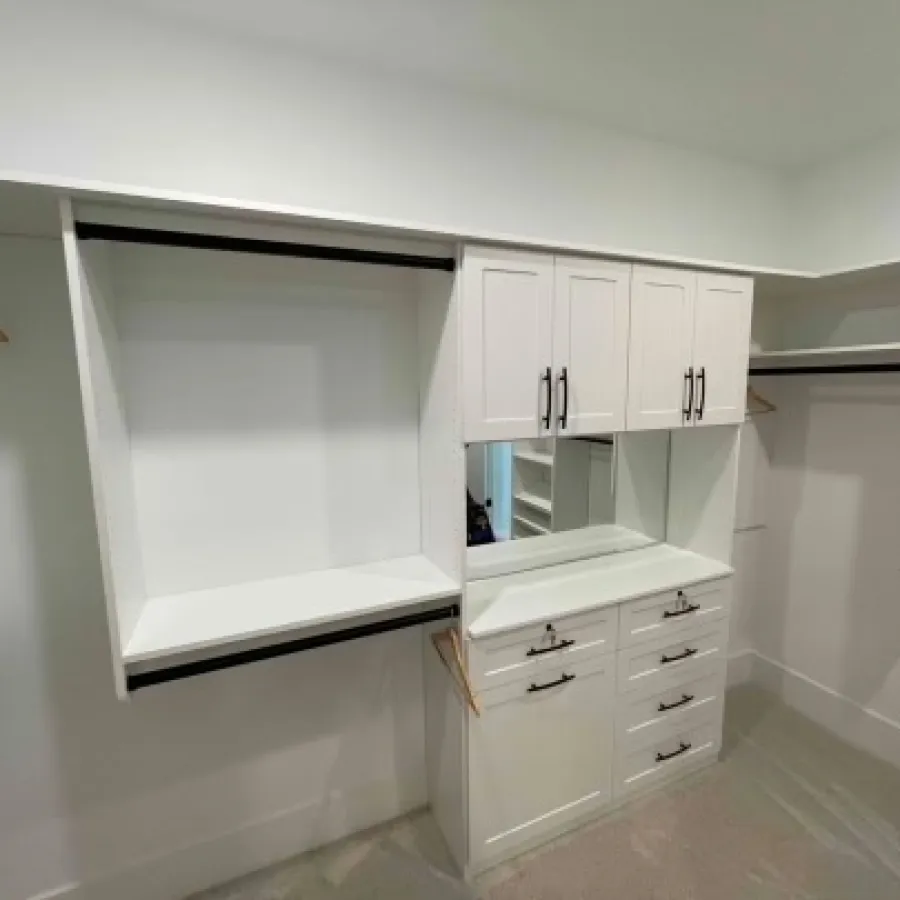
(786, 83)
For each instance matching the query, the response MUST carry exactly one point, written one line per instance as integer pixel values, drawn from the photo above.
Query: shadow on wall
(829, 602)
(330, 741)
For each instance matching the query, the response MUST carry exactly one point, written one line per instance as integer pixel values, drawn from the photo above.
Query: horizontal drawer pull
(685, 698)
(664, 660)
(560, 646)
(662, 757)
(668, 614)
(551, 684)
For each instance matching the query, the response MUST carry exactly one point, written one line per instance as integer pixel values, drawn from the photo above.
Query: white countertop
(527, 598)
(505, 557)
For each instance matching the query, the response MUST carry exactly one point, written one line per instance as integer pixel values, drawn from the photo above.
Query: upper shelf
(854, 358)
(535, 456)
(201, 619)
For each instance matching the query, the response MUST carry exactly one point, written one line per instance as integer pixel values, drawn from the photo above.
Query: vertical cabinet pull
(548, 397)
(564, 384)
(701, 401)
(688, 408)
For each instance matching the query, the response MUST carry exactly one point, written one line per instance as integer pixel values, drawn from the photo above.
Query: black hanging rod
(94, 231)
(140, 680)
(856, 369)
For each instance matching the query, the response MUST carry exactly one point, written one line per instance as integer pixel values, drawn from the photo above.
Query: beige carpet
(790, 812)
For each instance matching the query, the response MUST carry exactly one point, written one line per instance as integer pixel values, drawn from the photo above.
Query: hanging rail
(139, 680)
(851, 369)
(87, 231)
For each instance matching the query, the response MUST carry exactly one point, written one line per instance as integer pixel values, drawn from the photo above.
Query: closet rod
(829, 370)
(217, 663)
(87, 231)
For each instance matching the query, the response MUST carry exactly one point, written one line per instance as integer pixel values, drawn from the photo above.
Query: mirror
(609, 492)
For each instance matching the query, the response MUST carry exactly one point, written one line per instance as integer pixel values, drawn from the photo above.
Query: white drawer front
(645, 715)
(506, 657)
(673, 611)
(540, 755)
(668, 755)
(671, 659)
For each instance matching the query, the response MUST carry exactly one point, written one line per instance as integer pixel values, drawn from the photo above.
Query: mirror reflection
(528, 489)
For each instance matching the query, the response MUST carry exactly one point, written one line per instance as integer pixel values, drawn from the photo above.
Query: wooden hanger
(762, 405)
(448, 649)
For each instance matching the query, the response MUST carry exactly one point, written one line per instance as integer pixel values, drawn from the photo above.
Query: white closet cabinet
(689, 349)
(545, 345)
(540, 754)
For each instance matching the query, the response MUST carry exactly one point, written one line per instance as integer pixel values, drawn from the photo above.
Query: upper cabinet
(545, 345)
(689, 349)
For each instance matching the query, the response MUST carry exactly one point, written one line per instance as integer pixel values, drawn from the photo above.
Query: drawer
(673, 611)
(667, 755)
(518, 654)
(665, 662)
(644, 715)
(540, 755)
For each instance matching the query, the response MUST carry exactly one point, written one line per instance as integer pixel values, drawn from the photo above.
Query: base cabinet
(541, 755)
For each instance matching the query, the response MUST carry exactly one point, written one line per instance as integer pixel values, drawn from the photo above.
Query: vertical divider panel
(642, 481)
(97, 352)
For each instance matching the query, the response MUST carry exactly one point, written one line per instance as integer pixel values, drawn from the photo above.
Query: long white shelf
(531, 597)
(535, 456)
(541, 504)
(202, 619)
(826, 356)
(531, 526)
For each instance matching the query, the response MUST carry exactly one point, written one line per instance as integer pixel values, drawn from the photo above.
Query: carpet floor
(789, 812)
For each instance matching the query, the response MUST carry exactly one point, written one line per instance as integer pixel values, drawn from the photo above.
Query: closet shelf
(854, 358)
(539, 503)
(196, 620)
(531, 526)
(535, 456)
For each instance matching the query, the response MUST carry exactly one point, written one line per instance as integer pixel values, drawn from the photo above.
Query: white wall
(130, 101)
(189, 783)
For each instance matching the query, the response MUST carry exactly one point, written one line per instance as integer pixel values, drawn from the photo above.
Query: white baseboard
(740, 667)
(849, 720)
(205, 864)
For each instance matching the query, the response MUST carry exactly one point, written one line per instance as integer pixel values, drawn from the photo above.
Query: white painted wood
(660, 346)
(513, 601)
(647, 714)
(703, 467)
(445, 752)
(106, 430)
(722, 312)
(672, 612)
(507, 309)
(533, 501)
(539, 758)
(539, 458)
(442, 462)
(590, 340)
(208, 618)
(570, 485)
(530, 650)
(530, 527)
(638, 768)
(642, 481)
(507, 557)
(602, 484)
(645, 665)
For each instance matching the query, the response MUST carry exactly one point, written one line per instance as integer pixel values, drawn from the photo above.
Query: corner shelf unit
(272, 433)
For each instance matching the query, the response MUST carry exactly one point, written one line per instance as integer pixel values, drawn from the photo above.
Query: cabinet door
(590, 345)
(540, 755)
(507, 310)
(722, 312)
(662, 310)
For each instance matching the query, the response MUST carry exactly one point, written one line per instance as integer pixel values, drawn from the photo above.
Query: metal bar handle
(547, 378)
(701, 403)
(564, 383)
(688, 408)
(662, 757)
(535, 651)
(668, 614)
(664, 660)
(551, 684)
(685, 699)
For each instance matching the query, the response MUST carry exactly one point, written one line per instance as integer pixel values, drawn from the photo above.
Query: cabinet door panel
(507, 321)
(540, 758)
(590, 341)
(662, 309)
(722, 314)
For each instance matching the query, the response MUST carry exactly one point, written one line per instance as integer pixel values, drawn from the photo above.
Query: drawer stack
(670, 687)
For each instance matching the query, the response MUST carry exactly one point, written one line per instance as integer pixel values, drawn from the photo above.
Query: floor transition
(790, 812)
